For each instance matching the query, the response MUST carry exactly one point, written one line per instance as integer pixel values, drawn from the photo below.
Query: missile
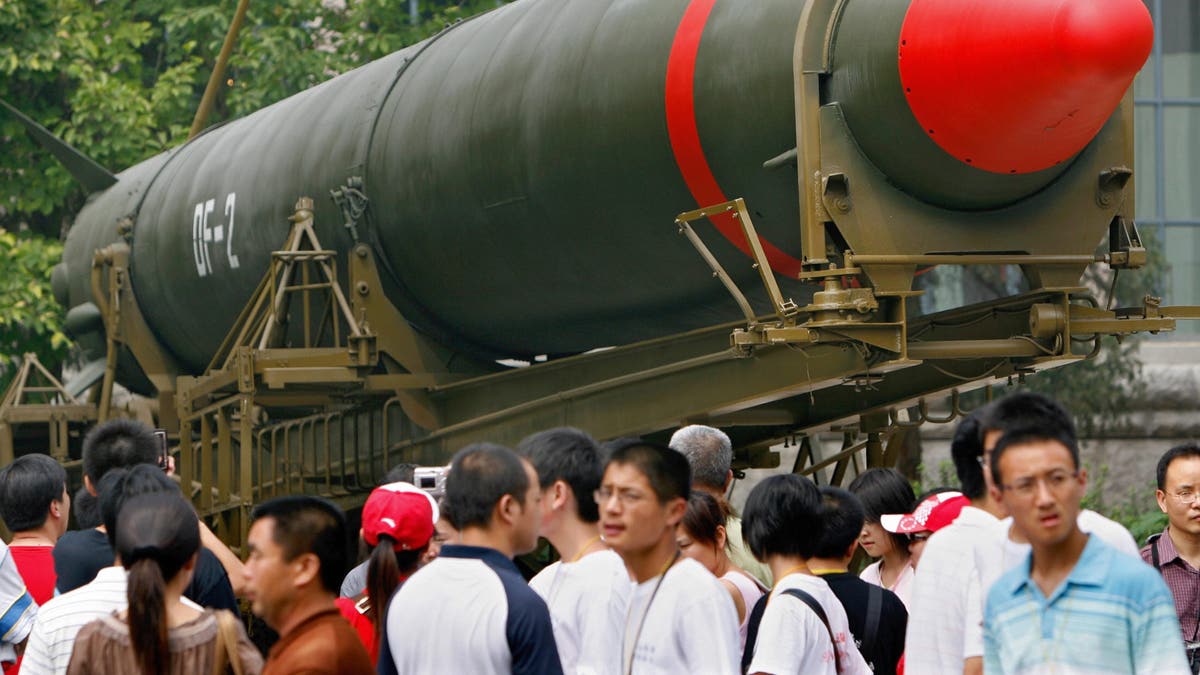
(517, 175)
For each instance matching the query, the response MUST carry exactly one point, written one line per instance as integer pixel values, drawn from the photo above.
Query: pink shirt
(903, 585)
(750, 591)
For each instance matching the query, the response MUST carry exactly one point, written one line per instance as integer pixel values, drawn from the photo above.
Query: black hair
(307, 524)
(117, 444)
(843, 517)
(27, 487)
(480, 475)
(385, 566)
(667, 471)
(444, 512)
(120, 485)
(1025, 435)
(403, 472)
(1164, 462)
(569, 455)
(1025, 417)
(929, 493)
(704, 514)
(967, 451)
(159, 534)
(783, 517)
(883, 491)
(86, 507)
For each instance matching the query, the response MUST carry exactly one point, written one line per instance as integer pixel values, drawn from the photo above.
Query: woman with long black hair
(398, 526)
(158, 538)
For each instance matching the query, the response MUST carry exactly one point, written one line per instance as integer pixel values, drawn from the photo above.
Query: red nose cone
(1017, 86)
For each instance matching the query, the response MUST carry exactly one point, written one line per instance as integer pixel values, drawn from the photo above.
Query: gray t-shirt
(355, 581)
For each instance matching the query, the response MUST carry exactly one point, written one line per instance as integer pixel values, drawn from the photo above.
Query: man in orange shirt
(297, 557)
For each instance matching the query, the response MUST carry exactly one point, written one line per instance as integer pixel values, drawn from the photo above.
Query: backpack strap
(756, 618)
(1153, 541)
(874, 612)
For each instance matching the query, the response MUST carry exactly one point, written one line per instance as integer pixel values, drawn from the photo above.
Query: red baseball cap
(932, 514)
(401, 511)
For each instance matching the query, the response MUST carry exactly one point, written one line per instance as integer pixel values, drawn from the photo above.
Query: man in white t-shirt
(782, 526)
(680, 619)
(957, 565)
(588, 590)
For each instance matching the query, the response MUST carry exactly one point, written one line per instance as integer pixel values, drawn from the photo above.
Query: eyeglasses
(625, 496)
(1054, 481)
(1185, 497)
(919, 537)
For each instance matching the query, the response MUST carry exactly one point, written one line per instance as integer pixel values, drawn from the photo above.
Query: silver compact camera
(431, 479)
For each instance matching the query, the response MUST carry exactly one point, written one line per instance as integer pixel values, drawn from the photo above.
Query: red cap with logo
(932, 514)
(401, 511)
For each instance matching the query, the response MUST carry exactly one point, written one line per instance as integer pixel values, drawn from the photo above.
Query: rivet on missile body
(360, 251)
(362, 288)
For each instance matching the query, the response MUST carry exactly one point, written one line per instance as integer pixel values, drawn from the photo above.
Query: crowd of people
(655, 571)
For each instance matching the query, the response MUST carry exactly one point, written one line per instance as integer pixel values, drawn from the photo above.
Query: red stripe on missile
(685, 135)
(1019, 86)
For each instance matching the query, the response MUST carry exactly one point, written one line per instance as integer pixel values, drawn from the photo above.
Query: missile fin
(86, 170)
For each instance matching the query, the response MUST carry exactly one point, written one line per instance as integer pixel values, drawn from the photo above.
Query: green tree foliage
(30, 319)
(121, 80)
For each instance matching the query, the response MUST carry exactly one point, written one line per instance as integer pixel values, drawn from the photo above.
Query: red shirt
(366, 630)
(36, 565)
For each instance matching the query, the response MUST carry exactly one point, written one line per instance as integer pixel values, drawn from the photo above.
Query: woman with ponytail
(157, 541)
(397, 524)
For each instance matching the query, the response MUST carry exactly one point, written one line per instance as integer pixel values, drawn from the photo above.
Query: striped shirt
(17, 609)
(1182, 579)
(1112, 614)
(60, 619)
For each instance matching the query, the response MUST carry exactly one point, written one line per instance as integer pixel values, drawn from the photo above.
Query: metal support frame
(302, 343)
(125, 328)
(36, 401)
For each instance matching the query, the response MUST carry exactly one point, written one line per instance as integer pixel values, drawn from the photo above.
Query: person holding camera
(1175, 552)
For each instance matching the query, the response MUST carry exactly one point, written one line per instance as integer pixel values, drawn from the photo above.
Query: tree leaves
(30, 319)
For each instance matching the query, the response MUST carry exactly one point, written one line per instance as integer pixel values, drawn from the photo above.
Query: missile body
(522, 169)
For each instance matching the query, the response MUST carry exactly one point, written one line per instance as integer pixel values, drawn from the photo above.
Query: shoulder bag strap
(874, 610)
(226, 644)
(1153, 541)
(756, 616)
(820, 611)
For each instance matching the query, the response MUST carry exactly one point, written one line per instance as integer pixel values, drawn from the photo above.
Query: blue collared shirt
(1112, 614)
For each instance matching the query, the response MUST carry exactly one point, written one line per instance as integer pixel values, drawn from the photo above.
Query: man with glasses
(681, 619)
(1175, 553)
(1075, 605)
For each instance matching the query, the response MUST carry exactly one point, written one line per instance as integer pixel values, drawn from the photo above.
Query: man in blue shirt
(1076, 605)
(470, 611)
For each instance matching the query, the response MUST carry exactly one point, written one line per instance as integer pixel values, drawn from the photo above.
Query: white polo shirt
(588, 602)
(945, 611)
(469, 611)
